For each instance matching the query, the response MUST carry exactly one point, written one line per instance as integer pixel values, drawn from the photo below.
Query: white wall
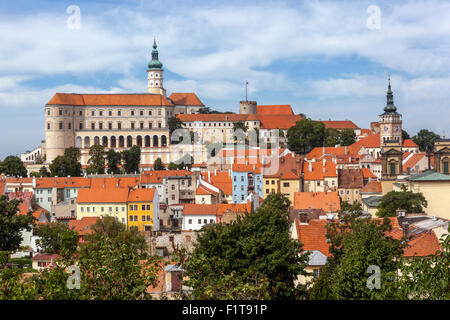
(195, 225)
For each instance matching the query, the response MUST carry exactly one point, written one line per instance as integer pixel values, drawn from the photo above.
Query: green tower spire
(390, 107)
(155, 63)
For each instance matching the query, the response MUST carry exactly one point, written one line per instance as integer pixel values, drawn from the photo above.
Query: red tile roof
(221, 180)
(103, 195)
(74, 99)
(185, 99)
(203, 190)
(45, 257)
(350, 179)
(367, 173)
(224, 208)
(82, 226)
(141, 195)
(274, 109)
(412, 161)
(319, 151)
(317, 172)
(372, 187)
(313, 235)
(373, 141)
(346, 124)
(217, 117)
(278, 121)
(199, 209)
(327, 201)
(156, 176)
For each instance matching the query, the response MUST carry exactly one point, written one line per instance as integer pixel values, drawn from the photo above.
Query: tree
(97, 159)
(332, 137)
(427, 277)
(425, 140)
(306, 135)
(113, 159)
(240, 125)
(13, 166)
(132, 159)
(56, 237)
(184, 162)
(356, 243)
(67, 164)
(347, 137)
(43, 172)
(174, 124)
(405, 135)
(406, 200)
(12, 223)
(207, 110)
(158, 165)
(252, 258)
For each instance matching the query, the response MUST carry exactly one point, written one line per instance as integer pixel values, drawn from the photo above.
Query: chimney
(303, 217)
(346, 149)
(405, 226)
(209, 176)
(310, 167)
(34, 182)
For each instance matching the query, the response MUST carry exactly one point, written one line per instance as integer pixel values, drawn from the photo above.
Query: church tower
(155, 73)
(390, 142)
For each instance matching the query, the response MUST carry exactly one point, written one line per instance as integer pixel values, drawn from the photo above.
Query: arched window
(121, 142)
(105, 141)
(147, 141)
(155, 141)
(163, 141)
(96, 140)
(78, 142)
(87, 142)
(113, 142)
(129, 141)
(139, 141)
(445, 165)
(392, 166)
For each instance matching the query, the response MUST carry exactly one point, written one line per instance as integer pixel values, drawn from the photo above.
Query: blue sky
(319, 56)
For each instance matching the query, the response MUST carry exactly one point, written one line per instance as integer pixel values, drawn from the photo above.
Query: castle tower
(247, 107)
(59, 130)
(155, 73)
(390, 142)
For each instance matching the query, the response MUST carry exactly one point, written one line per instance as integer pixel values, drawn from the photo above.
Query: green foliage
(43, 172)
(13, 166)
(347, 137)
(425, 139)
(56, 237)
(405, 200)
(12, 223)
(252, 258)
(427, 277)
(240, 125)
(405, 135)
(184, 162)
(158, 165)
(207, 110)
(306, 135)
(13, 288)
(96, 160)
(355, 244)
(132, 159)
(67, 164)
(113, 159)
(174, 124)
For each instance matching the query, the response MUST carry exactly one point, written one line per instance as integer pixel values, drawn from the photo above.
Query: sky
(327, 59)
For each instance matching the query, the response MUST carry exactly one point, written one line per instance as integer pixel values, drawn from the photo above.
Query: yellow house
(142, 204)
(289, 185)
(270, 184)
(100, 202)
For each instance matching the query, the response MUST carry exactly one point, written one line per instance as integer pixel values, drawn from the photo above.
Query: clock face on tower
(386, 128)
(396, 128)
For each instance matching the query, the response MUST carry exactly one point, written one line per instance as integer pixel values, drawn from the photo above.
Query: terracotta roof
(409, 143)
(221, 180)
(224, 208)
(373, 141)
(109, 183)
(317, 170)
(255, 168)
(74, 99)
(185, 99)
(156, 176)
(289, 176)
(423, 245)
(103, 195)
(237, 153)
(275, 109)
(372, 187)
(141, 195)
(217, 117)
(313, 235)
(199, 209)
(63, 182)
(289, 166)
(346, 124)
(367, 173)
(278, 121)
(412, 161)
(319, 151)
(203, 190)
(82, 226)
(327, 201)
(350, 179)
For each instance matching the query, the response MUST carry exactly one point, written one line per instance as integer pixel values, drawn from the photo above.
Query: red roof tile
(109, 99)
(199, 209)
(274, 110)
(346, 124)
(185, 99)
(103, 195)
(82, 226)
(141, 195)
(327, 201)
(372, 187)
(313, 235)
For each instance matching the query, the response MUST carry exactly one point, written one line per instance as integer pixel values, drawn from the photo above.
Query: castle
(117, 121)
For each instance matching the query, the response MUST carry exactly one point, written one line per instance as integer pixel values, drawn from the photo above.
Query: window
(92, 113)
(101, 113)
(267, 181)
(132, 125)
(316, 273)
(150, 112)
(110, 113)
(142, 125)
(88, 209)
(149, 218)
(81, 125)
(131, 207)
(100, 125)
(211, 221)
(173, 187)
(318, 183)
(143, 218)
(103, 209)
(60, 112)
(190, 221)
(159, 125)
(60, 126)
(132, 112)
(143, 207)
(286, 184)
(93, 125)
(141, 112)
(109, 125)
(150, 125)
(173, 197)
(131, 218)
(135, 207)
(273, 181)
(148, 207)
(199, 221)
(119, 113)
(392, 168)
(81, 113)
(446, 169)
(119, 125)
(48, 126)
(82, 209)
